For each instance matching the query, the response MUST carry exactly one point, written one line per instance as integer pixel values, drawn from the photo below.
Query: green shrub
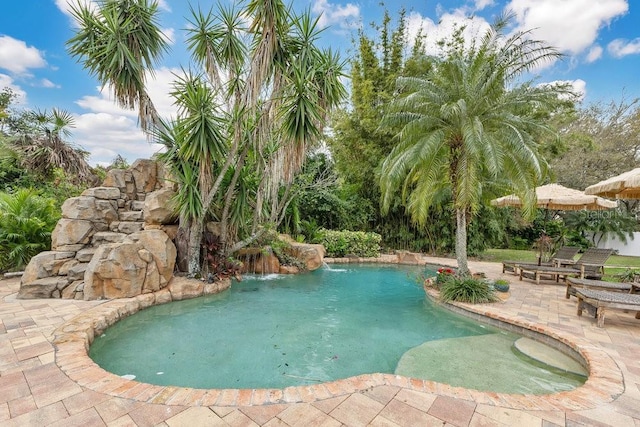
(357, 243)
(444, 274)
(26, 222)
(466, 289)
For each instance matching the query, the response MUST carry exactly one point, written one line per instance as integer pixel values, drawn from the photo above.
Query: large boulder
(145, 175)
(161, 248)
(90, 208)
(311, 255)
(115, 271)
(103, 193)
(157, 207)
(71, 232)
(45, 264)
(143, 262)
(48, 287)
(258, 261)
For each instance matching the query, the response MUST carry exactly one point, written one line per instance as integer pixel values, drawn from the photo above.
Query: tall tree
(359, 143)
(119, 42)
(468, 125)
(599, 140)
(258, 106)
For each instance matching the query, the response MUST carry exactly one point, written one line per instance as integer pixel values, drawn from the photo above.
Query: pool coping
(73, 339)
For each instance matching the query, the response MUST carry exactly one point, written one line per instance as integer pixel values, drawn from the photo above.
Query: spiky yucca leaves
(469, 124)
(26, 222)
(119, 41)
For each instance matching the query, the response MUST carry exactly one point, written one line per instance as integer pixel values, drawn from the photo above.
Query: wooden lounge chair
(574, 283)
(603, 300)
(589, 266)
(563, 256)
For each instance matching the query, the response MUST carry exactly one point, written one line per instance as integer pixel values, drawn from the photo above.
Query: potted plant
(501, 285)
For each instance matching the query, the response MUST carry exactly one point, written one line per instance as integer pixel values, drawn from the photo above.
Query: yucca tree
(246, 120)
(119, 42)
(277, 90)
(467, 125)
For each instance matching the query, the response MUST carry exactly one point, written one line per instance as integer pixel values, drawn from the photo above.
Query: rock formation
(112, 241)
(117, 241)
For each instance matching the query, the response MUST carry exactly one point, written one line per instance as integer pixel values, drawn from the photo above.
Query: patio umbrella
(558, 197)
(623, 186)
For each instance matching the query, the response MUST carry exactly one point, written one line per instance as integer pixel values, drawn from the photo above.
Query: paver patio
(42, 384)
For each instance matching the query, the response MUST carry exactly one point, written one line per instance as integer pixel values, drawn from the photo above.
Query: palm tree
(42, 147)
(468, 125)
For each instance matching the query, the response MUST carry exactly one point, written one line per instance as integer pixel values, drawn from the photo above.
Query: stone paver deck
(47, 379)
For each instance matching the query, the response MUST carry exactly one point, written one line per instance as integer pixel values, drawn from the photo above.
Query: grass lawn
(616, 264)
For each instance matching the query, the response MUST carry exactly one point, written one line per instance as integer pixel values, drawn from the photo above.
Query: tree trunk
(461, 242)
(195, 239)
(182, 247)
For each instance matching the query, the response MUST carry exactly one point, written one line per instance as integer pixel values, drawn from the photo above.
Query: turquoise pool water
(277, 331)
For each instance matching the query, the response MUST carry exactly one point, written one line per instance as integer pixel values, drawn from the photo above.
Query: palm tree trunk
(461, 241)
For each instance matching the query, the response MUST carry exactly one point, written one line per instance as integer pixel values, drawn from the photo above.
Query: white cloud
(65, 5)
(106, 135)
(595, 53)
(481, 4)
(169, 35)
(570, 26)
(48, 84)
(162, 4)
(21, 95)
(158, 88)
(622, 47)
(578, 86)
(340, 17)
(108, 130)
(17, 57)
(447, 25)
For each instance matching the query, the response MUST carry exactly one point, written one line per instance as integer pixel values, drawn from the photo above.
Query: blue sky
(600, 42)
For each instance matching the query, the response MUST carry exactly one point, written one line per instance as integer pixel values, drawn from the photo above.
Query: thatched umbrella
(558, 197)
(623, 186)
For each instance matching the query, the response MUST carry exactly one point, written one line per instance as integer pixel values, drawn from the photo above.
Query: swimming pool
(278, 331)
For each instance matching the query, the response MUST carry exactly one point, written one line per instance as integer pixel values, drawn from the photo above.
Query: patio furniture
(603, 300)
(565, 255)
(574, 283)
(589, 266)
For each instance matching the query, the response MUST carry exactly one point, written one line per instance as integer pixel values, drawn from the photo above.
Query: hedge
(358, 243)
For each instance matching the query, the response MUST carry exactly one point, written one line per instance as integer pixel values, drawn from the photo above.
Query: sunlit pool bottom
(279, 331)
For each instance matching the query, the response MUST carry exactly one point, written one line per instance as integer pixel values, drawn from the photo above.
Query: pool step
(548, 355)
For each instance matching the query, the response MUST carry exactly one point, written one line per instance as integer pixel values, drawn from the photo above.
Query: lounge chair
(574, 283)
(564, 256)
(603, 300)
(589, 266)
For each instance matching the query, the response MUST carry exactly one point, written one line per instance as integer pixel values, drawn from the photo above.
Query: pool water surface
(283, 330)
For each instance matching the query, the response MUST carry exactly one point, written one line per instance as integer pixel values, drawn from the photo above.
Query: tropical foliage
(26, 221)
(468, 128)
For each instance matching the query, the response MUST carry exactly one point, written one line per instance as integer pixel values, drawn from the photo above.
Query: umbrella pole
(543, 235)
